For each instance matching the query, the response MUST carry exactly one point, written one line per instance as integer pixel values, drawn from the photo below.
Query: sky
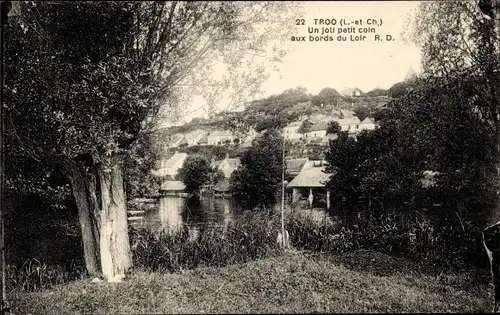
(364, 64)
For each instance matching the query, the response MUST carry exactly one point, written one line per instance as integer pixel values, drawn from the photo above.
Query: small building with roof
(311, 180)
(172, 188)
(222, 188)
(294, 166)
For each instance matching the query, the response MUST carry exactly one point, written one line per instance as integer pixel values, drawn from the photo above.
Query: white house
(290, 131)
(316, 130)
(351, 92)
(219, 137)
(367, 124)
(177, 141)
(171, 166)
(228, 166)
(193, 137)
(349, 124)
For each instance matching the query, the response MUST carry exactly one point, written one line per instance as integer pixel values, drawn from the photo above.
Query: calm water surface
(173, 213)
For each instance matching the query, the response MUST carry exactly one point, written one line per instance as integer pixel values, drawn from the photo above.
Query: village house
(220, 137)
(346, 113)
(193, 137)
(290, 131)
(351, 92)
(174, 140)
(318, 130)
(367, 124)
(203, 141)
(228, 166)
(350, 125)
(171, 166)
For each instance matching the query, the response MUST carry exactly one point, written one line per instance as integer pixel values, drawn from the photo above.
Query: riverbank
(293, 282)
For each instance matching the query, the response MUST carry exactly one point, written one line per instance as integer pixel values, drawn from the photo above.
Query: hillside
(288, 106)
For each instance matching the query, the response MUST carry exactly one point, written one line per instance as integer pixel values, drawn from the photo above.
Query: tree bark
(86, 202)
(116, 255)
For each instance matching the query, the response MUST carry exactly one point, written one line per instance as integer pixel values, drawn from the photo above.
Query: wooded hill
(290, 106)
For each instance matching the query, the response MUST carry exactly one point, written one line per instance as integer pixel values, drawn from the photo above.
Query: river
(173, 213)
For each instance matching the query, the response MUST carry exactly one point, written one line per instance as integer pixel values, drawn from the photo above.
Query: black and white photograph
(229, 157)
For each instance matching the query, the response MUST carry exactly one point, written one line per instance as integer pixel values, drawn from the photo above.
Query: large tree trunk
(116, 255)
(84, 191)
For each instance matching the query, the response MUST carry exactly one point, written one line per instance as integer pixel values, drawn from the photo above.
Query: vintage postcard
(164, 157)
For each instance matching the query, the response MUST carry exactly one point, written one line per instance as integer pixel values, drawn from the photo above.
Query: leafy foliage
(327, 96)
(305, 127)
(194, 173)
(333, 127)
(258, 179)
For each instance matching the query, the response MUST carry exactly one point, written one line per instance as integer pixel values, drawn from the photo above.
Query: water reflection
(174, 213)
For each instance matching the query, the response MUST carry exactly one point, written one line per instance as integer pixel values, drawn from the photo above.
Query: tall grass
(34, 275)
(250, 236)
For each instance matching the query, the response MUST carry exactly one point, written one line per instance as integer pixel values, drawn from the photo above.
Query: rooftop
(222, 186)
(233, 163)
(172, 185)
(294, 124)
(175, 158)
(310, 177)
(367, 121)
(318, 126)
(220, 133)
(349, 121)
(294, 166)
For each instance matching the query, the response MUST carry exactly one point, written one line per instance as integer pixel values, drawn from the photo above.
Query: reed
(34, 275)
(248, 237)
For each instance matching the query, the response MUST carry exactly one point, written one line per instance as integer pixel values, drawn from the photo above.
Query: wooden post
(328, 199)
(295, 194)
(311, 197)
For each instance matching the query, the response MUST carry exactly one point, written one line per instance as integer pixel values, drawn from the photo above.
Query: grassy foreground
(291, 283)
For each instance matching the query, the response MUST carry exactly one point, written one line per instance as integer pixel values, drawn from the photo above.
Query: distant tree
(326, 96)
(273, 122)
(219, 152)
(305, 127)
(258, 179)
(195, 172)
(333, 127)
(398, 89)
(378, 92)
(362, 112)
